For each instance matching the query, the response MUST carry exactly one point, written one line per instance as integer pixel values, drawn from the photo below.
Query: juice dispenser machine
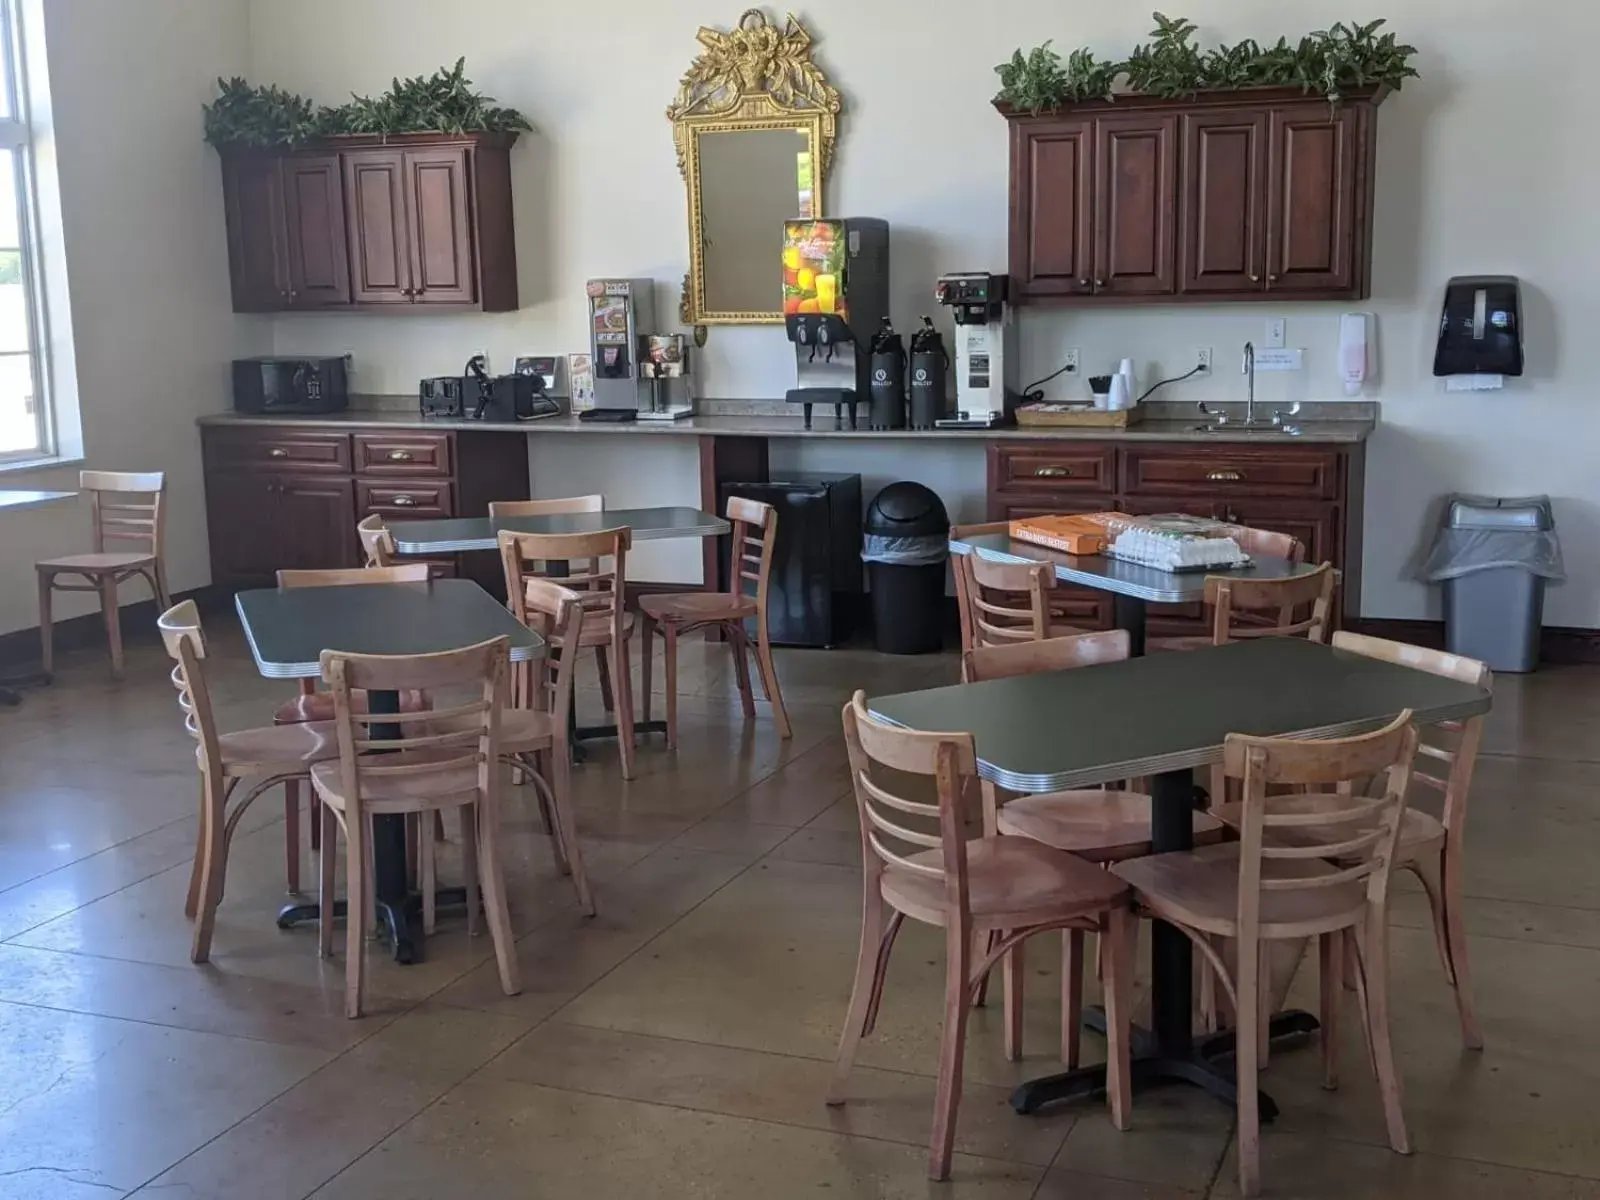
(835, 296)
(620, 312)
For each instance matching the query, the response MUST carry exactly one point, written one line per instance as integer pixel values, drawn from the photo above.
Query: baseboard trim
(1559, 645)
(20, 648)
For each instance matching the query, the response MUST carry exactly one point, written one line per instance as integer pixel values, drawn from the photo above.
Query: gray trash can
(1494, 556)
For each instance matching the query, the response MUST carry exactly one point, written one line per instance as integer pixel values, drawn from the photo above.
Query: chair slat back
(600, 588)
(1244, 608)
(186, 643)
(354, 576)
(887, 838)
(447, 754)
(1002, 603)
(557, 506)
(1267, 543)
(1051, 654)
(556, 613)
(129, 509)
(1361, 833)
(377, 543)
(1451, 743)
(755, 534)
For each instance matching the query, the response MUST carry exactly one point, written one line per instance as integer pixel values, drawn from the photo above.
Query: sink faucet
(1249, 370)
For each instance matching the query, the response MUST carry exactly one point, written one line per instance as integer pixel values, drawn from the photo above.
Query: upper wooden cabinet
(1221, 196)
(418, 220)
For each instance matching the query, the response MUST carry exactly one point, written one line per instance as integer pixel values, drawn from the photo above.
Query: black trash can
(905, 545)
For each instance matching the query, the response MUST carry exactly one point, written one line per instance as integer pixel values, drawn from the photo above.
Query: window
(25, 415)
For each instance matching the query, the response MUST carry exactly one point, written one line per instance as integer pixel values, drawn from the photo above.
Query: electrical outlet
(1202, 359)
(1069, 362)
(1275, 332)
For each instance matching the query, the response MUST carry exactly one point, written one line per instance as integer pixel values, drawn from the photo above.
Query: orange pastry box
(1080, 533)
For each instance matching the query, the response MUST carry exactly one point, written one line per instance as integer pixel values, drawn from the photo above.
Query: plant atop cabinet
(259, 117)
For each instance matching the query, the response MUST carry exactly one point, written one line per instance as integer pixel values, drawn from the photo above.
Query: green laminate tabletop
(1116, 575)
(457, 534)
(289, 628)
(1169, 712)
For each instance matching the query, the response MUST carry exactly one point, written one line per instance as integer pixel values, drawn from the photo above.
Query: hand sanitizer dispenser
(1480, 333)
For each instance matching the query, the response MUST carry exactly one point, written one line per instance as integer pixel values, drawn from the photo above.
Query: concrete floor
(677, 1044)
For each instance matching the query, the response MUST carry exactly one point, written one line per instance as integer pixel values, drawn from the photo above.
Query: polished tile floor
(677, 1044)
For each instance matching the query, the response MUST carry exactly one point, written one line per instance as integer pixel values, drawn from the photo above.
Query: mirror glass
(750, 184)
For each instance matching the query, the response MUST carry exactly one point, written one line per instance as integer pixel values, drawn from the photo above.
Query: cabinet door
(316, 517)
(1311, 200)
(240, 509)
(1051, 208)
(375, 198)
(1224, 197)
(1136, 199)
(252, 189)
(319, 266)
(440, 241)
(1087, 608)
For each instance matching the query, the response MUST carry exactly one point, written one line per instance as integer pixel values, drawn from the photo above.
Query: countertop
(1334, 432)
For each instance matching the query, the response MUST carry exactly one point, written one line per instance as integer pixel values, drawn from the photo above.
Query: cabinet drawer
(1215, 471)
(409, 454)
(417, 501)
(1069, 467)
(298, 449)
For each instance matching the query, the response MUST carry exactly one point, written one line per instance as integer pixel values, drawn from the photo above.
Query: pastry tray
(1208, 569)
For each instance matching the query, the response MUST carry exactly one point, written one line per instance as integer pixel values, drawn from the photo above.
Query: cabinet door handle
(1227, 476)
(1099, 283)
(1272, 277)
(400, 456)
(1254, 278)
(1083, 283)
(1052, 472)
(403, 501)
(277, 452)
(293, 294)
(1231, 517)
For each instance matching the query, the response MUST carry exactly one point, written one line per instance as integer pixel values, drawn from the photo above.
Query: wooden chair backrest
(1268, 543)
(186, 643)
(556, 614)
(545, 508)
(377, 543)
(1049, 654)
(421, 752)
(755, 534)
(1361, 833)
(1453, 743)
(950, 759)
(354, 576)
(600, 587)
(129, 508)
(1002, 603)
(959, 533)
(1234, 600)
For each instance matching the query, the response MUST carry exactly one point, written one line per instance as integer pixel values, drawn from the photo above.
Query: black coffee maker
(887, 379)
(930, 367)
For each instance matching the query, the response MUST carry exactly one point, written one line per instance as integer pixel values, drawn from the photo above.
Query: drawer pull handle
(1052, 472)
(400, 456)
(278, 452)
(1229, 476)
(403, 502)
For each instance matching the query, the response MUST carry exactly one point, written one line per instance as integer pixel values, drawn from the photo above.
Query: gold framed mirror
(754, 122)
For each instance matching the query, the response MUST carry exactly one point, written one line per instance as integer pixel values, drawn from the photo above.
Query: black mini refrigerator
(816, 591)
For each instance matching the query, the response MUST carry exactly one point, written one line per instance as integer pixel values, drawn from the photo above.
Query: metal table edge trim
(466, 545)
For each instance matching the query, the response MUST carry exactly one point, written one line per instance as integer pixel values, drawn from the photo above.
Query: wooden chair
(1262, 889)
(678, 613)
(313, 705)
(1101, 825)
(130, 520)
(607, 625)
(377, 543)
(1001, 604)
(1268, 543)
(1432, 848)
(936, 875)
(444, 759)
(1295, 607)
(281, 754)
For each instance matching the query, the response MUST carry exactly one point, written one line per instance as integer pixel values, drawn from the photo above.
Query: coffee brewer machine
(620, 310)
(835, 296)
(985, 340)
(665, 365)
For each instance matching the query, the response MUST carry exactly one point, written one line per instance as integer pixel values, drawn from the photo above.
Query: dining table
(1132, 586)
(288, 629)
(1160, 717)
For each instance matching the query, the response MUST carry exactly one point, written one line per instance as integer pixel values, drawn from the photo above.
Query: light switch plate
(1275, 332)
(1280, 359)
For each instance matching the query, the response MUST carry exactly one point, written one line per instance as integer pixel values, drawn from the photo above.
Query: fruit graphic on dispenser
(827, 286)
(806, 281)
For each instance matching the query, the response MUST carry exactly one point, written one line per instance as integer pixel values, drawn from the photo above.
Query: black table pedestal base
(586, 733)
(400, 924)
(10, 697)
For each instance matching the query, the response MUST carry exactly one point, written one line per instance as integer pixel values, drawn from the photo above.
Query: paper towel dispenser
(1480, 332)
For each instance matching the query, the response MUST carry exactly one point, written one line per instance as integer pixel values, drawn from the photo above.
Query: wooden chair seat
(277, 749)
(1420, 832)
(522, 730)
(1011, 883)
(1200, 889)
(318, 706)
(401, 793)
(1101, 826)
(695, 608)
(96, 564)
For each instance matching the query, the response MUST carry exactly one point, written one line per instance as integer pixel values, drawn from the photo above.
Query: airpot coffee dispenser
(835, 295)
(888, 385)
(930, 367)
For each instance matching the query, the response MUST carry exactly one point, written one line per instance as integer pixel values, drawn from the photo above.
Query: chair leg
(566, 828)
(1247, 1045)
(952, 1046)
(1012, 972)
(647, 666)
(602, 661)
(739, 644)
(1072, 994)
(622, 681)
(1330, 950)
(885, 949)
(671, 632)
(980, 990)
(356, 915)
(1428, 872)
(427, 882)
(868, 958)
(1117, 937)
(291, 835)
(1356, 971)
(1377, 969)
(158, 584)
(191, 902)
(113, 619)
(47, 649)
(314, 808)
(494, 901)
(769, 681)
(1456, 935)
(327, 861)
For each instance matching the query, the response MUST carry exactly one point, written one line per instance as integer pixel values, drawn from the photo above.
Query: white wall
(147, 262)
